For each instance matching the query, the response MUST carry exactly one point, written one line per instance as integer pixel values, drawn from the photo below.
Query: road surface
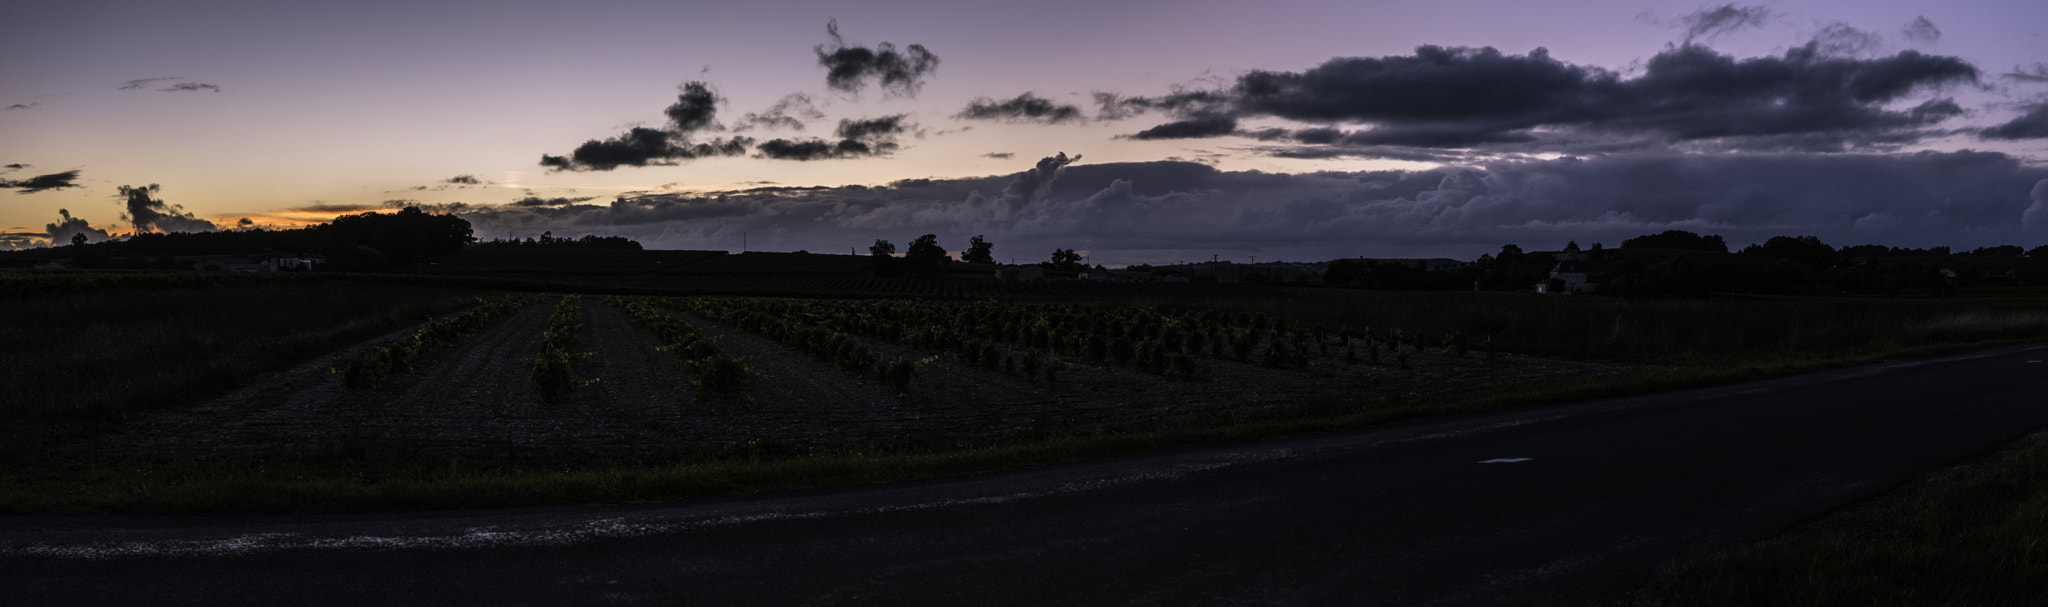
(1572, 504)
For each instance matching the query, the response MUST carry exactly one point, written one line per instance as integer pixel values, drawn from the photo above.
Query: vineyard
(560, 378)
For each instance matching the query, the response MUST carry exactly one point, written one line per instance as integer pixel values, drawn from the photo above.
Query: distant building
(1570, 274)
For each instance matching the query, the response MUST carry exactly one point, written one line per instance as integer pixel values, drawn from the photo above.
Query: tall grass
(1974, 537)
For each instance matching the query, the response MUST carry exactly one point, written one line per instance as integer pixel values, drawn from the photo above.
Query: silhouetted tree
(1677, 239)
(925, 254)
(1804, 249)
(1064, 259)
(882, 248)
(979, 251)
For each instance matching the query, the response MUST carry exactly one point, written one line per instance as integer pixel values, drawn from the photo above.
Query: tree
(1064, 259)
(78, 240)
(925, 254)
(1804, 249)
(1677, 239)
(882, 248)
(979, 251)
(1509, 253)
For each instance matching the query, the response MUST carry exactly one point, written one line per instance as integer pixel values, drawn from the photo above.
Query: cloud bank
(1168, 211)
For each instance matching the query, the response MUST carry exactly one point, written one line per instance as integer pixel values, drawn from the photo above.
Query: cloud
(1710, 23)
(463, 180)
(1691, 95)
(1921, 30)
(857, 138)
(2037, 72)
(41, 183)
(641, 147)
(850, 68)
(999, 155)
(1167, 211)
(148, 214)
(1034, 185)
(1210, 125)
(789, 113)
(695, 110)
(2036, 216)
(187, 87)
(23, 106)
(2031, 125)
(536, 201)
(326, 207)
(139, 84)
(182, 87)
(61, 232)
(1026, 107)
(245, 222)
(1843, 40)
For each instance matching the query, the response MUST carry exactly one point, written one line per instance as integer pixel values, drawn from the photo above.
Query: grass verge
(1971, 536)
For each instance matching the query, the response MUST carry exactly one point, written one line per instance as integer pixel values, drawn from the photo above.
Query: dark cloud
(642, 147)
(1921, 30)
(41, 183)
(463, 180)
(139, 84)
(789, 113)
(148, 214)
(324, 207)
(61, 232)
(187, 87)
(182, 87)
(1211, 125)
(850, 68)
(23, 106)
(857, 138)
(16, 166)
(1709, 23)
(695, 110)
(2035, 73)
(536, 201)
(245, 222)
(2031, 125)
(999, 155)
(1465, 97)
(1026, 107)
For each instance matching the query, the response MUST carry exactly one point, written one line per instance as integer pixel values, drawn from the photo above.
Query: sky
(1136, 132)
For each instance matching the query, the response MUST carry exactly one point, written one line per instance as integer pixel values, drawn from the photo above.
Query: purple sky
(1286, 130)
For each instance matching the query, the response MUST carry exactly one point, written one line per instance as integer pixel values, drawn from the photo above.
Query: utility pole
(743, 242)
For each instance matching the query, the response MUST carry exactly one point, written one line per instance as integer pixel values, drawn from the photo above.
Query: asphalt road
(1572, 505)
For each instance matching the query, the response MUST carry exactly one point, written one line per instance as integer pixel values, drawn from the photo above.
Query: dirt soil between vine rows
(476, 400)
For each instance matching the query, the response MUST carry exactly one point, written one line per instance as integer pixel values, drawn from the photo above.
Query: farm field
(317, 392)
(474, 399)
